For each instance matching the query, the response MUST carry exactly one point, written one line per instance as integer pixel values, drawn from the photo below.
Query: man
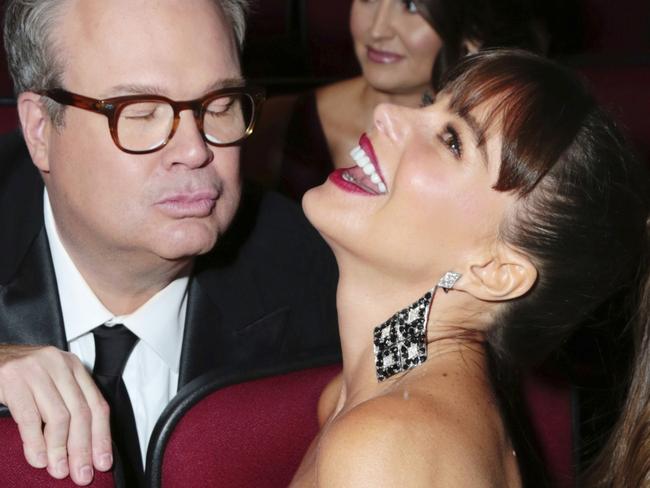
(136, 187)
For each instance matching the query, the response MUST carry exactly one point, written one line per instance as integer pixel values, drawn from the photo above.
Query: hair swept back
(583, 195)
(581, 216)
(32, 58)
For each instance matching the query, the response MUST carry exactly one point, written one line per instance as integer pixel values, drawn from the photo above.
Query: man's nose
(187, 146)
(392, 121)
(382, 21)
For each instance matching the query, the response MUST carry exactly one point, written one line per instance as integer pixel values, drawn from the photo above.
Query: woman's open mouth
(365, 175)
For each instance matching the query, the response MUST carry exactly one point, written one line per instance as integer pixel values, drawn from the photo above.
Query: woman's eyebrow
(477, 130)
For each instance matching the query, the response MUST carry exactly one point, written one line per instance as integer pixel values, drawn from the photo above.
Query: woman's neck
(370, 97)
(455, 319)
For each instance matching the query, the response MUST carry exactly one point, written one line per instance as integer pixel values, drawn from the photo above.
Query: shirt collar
(159, 322)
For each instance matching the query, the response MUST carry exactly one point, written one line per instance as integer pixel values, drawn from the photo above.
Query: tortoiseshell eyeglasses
(142, 124)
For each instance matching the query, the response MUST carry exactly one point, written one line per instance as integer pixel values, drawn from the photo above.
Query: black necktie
(113, 345)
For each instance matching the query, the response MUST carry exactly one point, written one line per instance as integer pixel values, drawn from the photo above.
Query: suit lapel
(229, 326)
(223, 300)
(29, 305)
(226, 329)
(30, 312)
(201, 338)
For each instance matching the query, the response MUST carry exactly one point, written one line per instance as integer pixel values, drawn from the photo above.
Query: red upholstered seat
(623, 89)
(15, 472)
(549, 401)
(617, 27)
(242, 435)
(331, 52)
(8, 116)
(255, 433)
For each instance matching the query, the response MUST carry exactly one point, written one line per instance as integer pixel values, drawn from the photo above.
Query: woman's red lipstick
(364, 177)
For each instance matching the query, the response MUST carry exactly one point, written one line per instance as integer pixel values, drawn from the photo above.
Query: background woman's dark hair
(486, 23)
(583, 202)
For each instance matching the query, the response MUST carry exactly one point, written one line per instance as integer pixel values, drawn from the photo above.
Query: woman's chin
(317, 206)
(313, 204)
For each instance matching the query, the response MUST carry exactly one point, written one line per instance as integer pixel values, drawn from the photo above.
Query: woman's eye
(450, 139)
(410, 6)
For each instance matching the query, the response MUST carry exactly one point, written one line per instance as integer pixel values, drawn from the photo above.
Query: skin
(109, 205)
(438, 424)
(409, 43)
(386, 26)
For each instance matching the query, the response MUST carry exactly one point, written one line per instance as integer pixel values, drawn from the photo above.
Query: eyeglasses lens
(143, 126)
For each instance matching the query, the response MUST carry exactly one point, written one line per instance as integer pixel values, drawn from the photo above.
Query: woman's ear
(471, 46)
(36, 124)
(505, 275)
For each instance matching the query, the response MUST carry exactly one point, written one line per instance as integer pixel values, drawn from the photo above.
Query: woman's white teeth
(356, 151)
(363, 161)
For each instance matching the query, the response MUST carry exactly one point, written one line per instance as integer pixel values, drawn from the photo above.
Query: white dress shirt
(151, 372)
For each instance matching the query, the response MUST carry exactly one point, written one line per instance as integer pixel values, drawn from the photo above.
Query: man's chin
(186, 242)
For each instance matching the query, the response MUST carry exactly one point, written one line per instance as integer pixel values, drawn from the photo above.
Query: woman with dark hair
(625, 460)
(473, 237)
(398, 44)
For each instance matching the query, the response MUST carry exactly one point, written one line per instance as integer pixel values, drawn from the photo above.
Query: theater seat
(8, 115)
(223, 433)
(329, 42)
(623, 89)
(15, 472)
(617, 28)
(550, 403)
(255, 433)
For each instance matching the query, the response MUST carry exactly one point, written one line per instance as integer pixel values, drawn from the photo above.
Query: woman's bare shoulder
(329, 398)
(404, 440)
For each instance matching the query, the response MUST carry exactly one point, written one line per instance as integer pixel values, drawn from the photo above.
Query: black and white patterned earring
(400, 343)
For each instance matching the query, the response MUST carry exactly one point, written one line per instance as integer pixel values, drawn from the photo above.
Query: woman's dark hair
(625, 459)
(581, 217)
(487, 23)
(583, 196)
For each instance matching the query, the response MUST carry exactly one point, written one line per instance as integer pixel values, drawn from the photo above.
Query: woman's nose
(392, 121)
(382, 20)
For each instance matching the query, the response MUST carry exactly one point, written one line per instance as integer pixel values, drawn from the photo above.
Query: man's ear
(506, 274)
(36, 125)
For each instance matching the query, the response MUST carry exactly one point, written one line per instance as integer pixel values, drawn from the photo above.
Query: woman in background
(473, 237)
(398, 44)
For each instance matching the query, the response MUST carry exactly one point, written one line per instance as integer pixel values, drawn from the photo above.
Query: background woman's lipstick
(382, 57)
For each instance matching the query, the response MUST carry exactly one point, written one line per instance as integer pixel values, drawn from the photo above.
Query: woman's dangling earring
(400, 343)
(427, 98)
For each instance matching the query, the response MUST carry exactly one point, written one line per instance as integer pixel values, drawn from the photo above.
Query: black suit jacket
(263, 297)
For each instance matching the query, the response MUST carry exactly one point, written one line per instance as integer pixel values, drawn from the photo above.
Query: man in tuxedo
(139, 245)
